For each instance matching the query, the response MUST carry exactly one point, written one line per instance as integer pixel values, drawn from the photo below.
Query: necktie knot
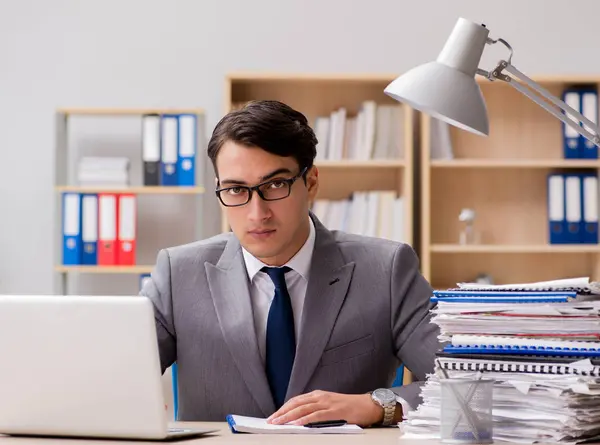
(277, 275)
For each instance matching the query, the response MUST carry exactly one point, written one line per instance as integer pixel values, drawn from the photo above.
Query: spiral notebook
(520, 364)
(581, 286)
(482, 344)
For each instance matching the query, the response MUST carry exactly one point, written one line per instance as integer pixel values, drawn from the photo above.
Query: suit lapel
(327, 287)
(229, 288)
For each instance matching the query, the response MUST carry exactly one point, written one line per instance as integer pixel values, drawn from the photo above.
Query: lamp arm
(528, 87)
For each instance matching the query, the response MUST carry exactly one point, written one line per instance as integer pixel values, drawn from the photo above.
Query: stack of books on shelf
(108, 172)
(538, 342)
(376, 132)
(376, 213)
(99, 229)
(169, 149)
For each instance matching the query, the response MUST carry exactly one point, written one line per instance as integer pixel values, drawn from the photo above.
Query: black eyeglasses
(271, 190)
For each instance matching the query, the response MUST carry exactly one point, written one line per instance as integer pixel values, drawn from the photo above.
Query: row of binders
(375, 213)
(583, 99)
(169, 149)
(538, 342)
(573, 208)
(375, 132)
(99, 229)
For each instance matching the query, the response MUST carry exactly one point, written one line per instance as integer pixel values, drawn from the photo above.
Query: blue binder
(573, 208)
(71, 228)
(571, 144)
(589, 207)
(89, 229)
(557, 223)
(169, 150)
(589, 108)
(186, 160)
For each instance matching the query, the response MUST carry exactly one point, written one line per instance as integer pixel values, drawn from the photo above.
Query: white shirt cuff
(405, 406)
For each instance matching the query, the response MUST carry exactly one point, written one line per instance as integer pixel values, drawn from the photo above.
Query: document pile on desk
(538, 341)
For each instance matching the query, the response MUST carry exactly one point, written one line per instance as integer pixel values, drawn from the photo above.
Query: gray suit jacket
(365, 312)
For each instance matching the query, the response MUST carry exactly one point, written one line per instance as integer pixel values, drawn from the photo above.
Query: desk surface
(379, 436)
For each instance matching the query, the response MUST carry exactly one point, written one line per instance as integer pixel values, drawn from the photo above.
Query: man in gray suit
(283, 318)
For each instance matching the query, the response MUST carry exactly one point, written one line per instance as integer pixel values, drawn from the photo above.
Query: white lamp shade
(446, 89)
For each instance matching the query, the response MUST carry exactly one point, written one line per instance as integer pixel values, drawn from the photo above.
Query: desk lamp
(446, 88)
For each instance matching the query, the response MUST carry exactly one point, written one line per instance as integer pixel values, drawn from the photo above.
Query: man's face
(272, 231)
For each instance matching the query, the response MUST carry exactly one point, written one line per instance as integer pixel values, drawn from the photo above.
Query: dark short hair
(270, 125)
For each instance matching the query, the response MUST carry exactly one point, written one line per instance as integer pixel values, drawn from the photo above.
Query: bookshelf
(66, 158)
(503, 177)
(317, 96)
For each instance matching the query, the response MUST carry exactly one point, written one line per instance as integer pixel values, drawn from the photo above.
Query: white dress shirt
(262, 289)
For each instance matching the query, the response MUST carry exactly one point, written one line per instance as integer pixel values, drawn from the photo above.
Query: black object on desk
(325, 423)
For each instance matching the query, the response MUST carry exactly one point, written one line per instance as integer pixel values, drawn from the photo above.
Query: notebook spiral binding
(522, 349)
(538, 368)
(578, 290)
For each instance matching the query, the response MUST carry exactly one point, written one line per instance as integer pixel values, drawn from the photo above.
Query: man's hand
(317, 406)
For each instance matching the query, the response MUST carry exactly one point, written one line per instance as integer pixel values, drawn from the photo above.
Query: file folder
(127, 232)
(89, 206)
(589, 108)
(186, 162)
(589, 194)
(151, 148)
(72, 243)
(107, 231)
(573, 204)
(169, 146)
(572, 98)
(556, 209)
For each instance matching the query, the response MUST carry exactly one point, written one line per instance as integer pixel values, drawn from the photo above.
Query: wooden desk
(379, 436)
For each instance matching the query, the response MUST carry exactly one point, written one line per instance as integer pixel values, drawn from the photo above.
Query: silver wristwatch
(386, 398)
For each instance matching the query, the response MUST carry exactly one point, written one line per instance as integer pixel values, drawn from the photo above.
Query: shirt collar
(300, 262)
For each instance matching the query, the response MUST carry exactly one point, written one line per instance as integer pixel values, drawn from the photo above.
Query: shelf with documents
(503, 178)
(105, 269)
(141, 190)
(384, 163)
(516, 248)
(126, 111)
(119, 217)
(516, 163)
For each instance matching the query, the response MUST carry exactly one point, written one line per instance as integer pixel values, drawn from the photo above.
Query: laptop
(82, 366)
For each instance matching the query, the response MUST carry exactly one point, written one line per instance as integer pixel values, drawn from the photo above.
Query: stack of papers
(103, 172)
(538, 341)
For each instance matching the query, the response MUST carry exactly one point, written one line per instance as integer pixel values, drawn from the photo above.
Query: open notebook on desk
(243, 424)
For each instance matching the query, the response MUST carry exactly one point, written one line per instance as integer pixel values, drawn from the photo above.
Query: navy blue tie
(281, 336)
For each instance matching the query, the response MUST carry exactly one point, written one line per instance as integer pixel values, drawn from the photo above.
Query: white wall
(144, 53)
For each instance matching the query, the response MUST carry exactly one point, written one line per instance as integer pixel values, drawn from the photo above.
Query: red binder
(126, 230)
(107, 229)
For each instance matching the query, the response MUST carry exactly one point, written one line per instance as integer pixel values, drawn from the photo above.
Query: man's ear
(312, 182)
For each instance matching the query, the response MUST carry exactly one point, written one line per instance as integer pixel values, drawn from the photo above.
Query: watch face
(385, 395)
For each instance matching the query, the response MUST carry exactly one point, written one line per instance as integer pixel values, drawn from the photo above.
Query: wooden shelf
(142, 190)
(541, 248)
(105, 269)
(383, 163)
(127, 111)
(310, 77)
(504, 179)
(516, 163)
